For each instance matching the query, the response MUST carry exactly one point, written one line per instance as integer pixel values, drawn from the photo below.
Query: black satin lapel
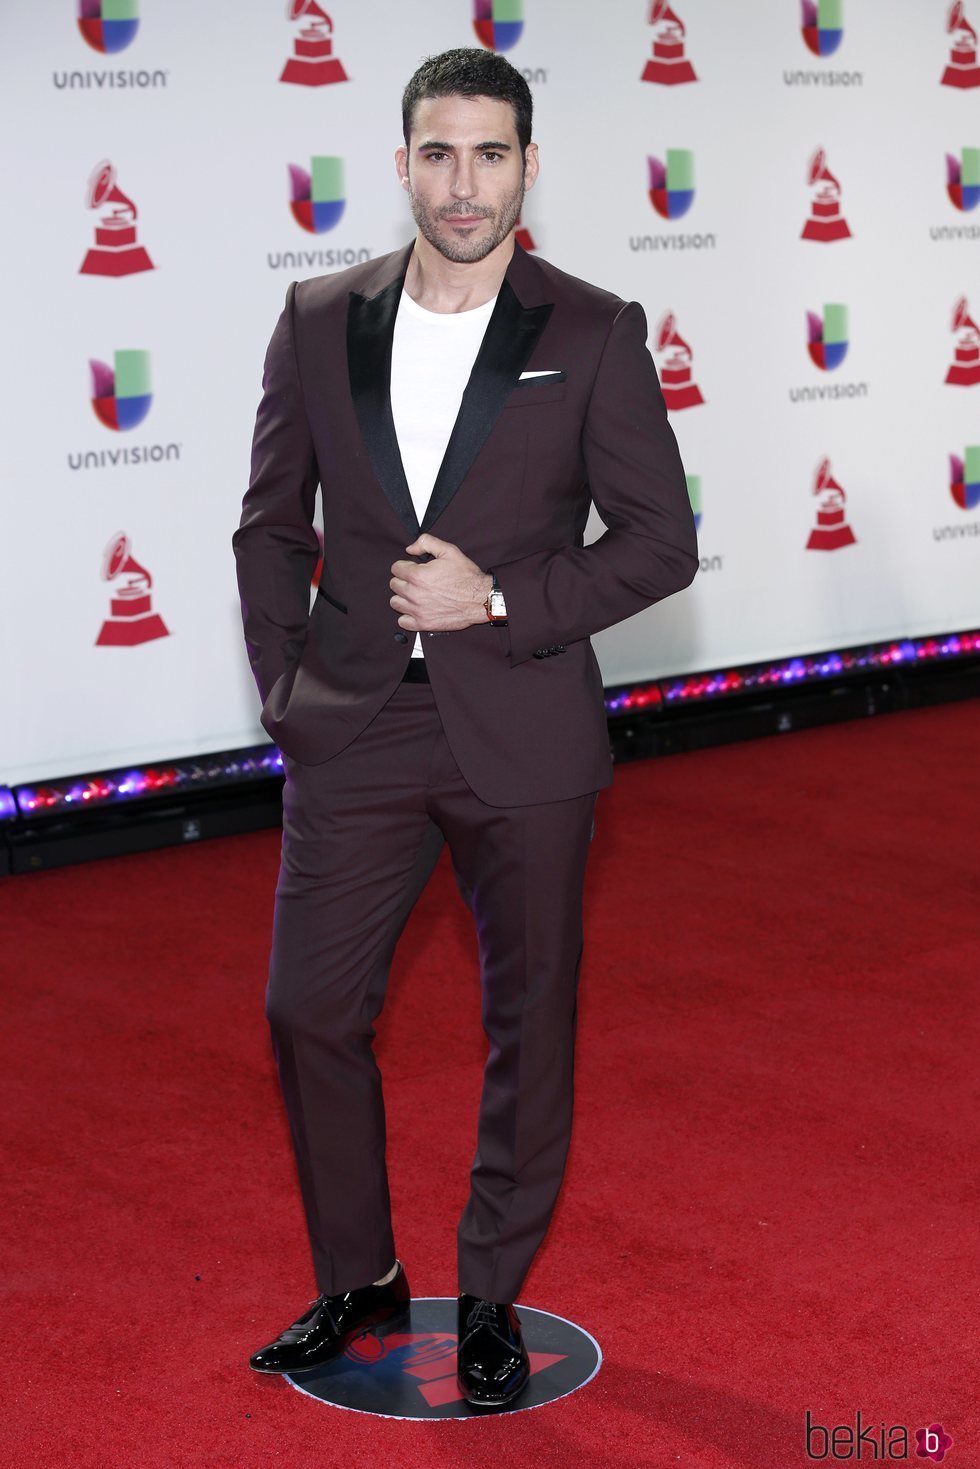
(512, 334)
(370, 327)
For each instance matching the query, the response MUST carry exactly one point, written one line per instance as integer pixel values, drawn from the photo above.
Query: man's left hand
(442, 595)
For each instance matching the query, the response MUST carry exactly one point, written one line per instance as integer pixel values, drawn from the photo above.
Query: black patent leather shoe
(331, 1323)
(492, 1364)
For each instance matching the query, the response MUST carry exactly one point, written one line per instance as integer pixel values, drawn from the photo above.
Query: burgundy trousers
(361, 835)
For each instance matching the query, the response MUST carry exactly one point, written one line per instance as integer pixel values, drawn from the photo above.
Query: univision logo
(963, 178)
(498, 23)
(317, 204)
(715, 561)
(827, 341)
(672, 183)
(121, 398)
(964, 486)
(827, 337)
(823, 25)
(317, 201)
(121, 395)
(108, 25)
(694, 495)
(964, 477)
(671, 192)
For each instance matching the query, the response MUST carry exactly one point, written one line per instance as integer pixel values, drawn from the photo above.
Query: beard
(463, 251)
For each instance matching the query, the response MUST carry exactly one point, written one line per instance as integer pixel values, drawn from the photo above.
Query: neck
(445, 285)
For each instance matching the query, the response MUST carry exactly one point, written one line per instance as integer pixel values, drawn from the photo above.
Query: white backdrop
(191, 112)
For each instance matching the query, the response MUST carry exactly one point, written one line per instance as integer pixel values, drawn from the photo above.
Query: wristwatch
(495, 605)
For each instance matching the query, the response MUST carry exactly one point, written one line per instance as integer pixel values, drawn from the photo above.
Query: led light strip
(693, 687)
(116, 786)
(209, 771)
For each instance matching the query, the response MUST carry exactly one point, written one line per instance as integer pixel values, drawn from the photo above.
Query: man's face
(464, 175)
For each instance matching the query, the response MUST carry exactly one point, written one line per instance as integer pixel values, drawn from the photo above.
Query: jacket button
(401, 637)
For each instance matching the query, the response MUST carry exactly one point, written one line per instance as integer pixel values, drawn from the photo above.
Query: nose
(464, 181)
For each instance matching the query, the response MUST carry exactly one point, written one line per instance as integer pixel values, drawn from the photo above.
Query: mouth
(464, 221)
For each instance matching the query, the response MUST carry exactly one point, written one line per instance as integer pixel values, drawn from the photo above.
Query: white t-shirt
(432, 355)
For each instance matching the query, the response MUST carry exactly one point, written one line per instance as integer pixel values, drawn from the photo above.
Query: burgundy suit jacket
(522, 705)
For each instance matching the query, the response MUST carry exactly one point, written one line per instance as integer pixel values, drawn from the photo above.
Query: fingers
(406, 618)
(432, 544)
(424, 545)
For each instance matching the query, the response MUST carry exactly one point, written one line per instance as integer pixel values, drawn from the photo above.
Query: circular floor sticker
(407, 1368)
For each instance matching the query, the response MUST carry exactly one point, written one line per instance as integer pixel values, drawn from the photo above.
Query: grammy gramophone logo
(826, 222)
(131, 618)
(116, 250)
(676, 373)
(831, 530)
(312, 63)
(668, 64)
(961, 69)
(964, 370)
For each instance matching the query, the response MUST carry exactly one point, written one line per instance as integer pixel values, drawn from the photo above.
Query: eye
(434, 157)
(493, 157)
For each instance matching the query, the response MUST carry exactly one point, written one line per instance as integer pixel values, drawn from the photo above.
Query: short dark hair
(469, 71)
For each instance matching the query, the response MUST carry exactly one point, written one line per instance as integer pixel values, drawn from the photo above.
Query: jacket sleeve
(637, 482)
(276, 548)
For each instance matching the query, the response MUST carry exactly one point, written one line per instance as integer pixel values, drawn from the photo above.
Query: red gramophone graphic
(523, 236)
(962, 69)
(668, 65)
(826, 222)
(115, 251)
(965, 368)
(313, 63)
(679, 388)
(131, 617)
(831, 530)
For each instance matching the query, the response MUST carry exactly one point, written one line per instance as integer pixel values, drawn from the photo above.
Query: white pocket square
(546, 372)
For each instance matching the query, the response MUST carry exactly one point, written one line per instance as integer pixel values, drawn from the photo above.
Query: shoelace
(484, 1313)
(321, 1301)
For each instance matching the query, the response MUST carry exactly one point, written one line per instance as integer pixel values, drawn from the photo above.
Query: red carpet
(771, 1199)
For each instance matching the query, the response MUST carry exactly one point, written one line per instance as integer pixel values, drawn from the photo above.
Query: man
(460, 404)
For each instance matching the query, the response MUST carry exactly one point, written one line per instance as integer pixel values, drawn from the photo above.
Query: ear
(531, 165)
(401, 165)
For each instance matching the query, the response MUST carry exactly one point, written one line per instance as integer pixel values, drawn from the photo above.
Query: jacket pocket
(332, 600)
